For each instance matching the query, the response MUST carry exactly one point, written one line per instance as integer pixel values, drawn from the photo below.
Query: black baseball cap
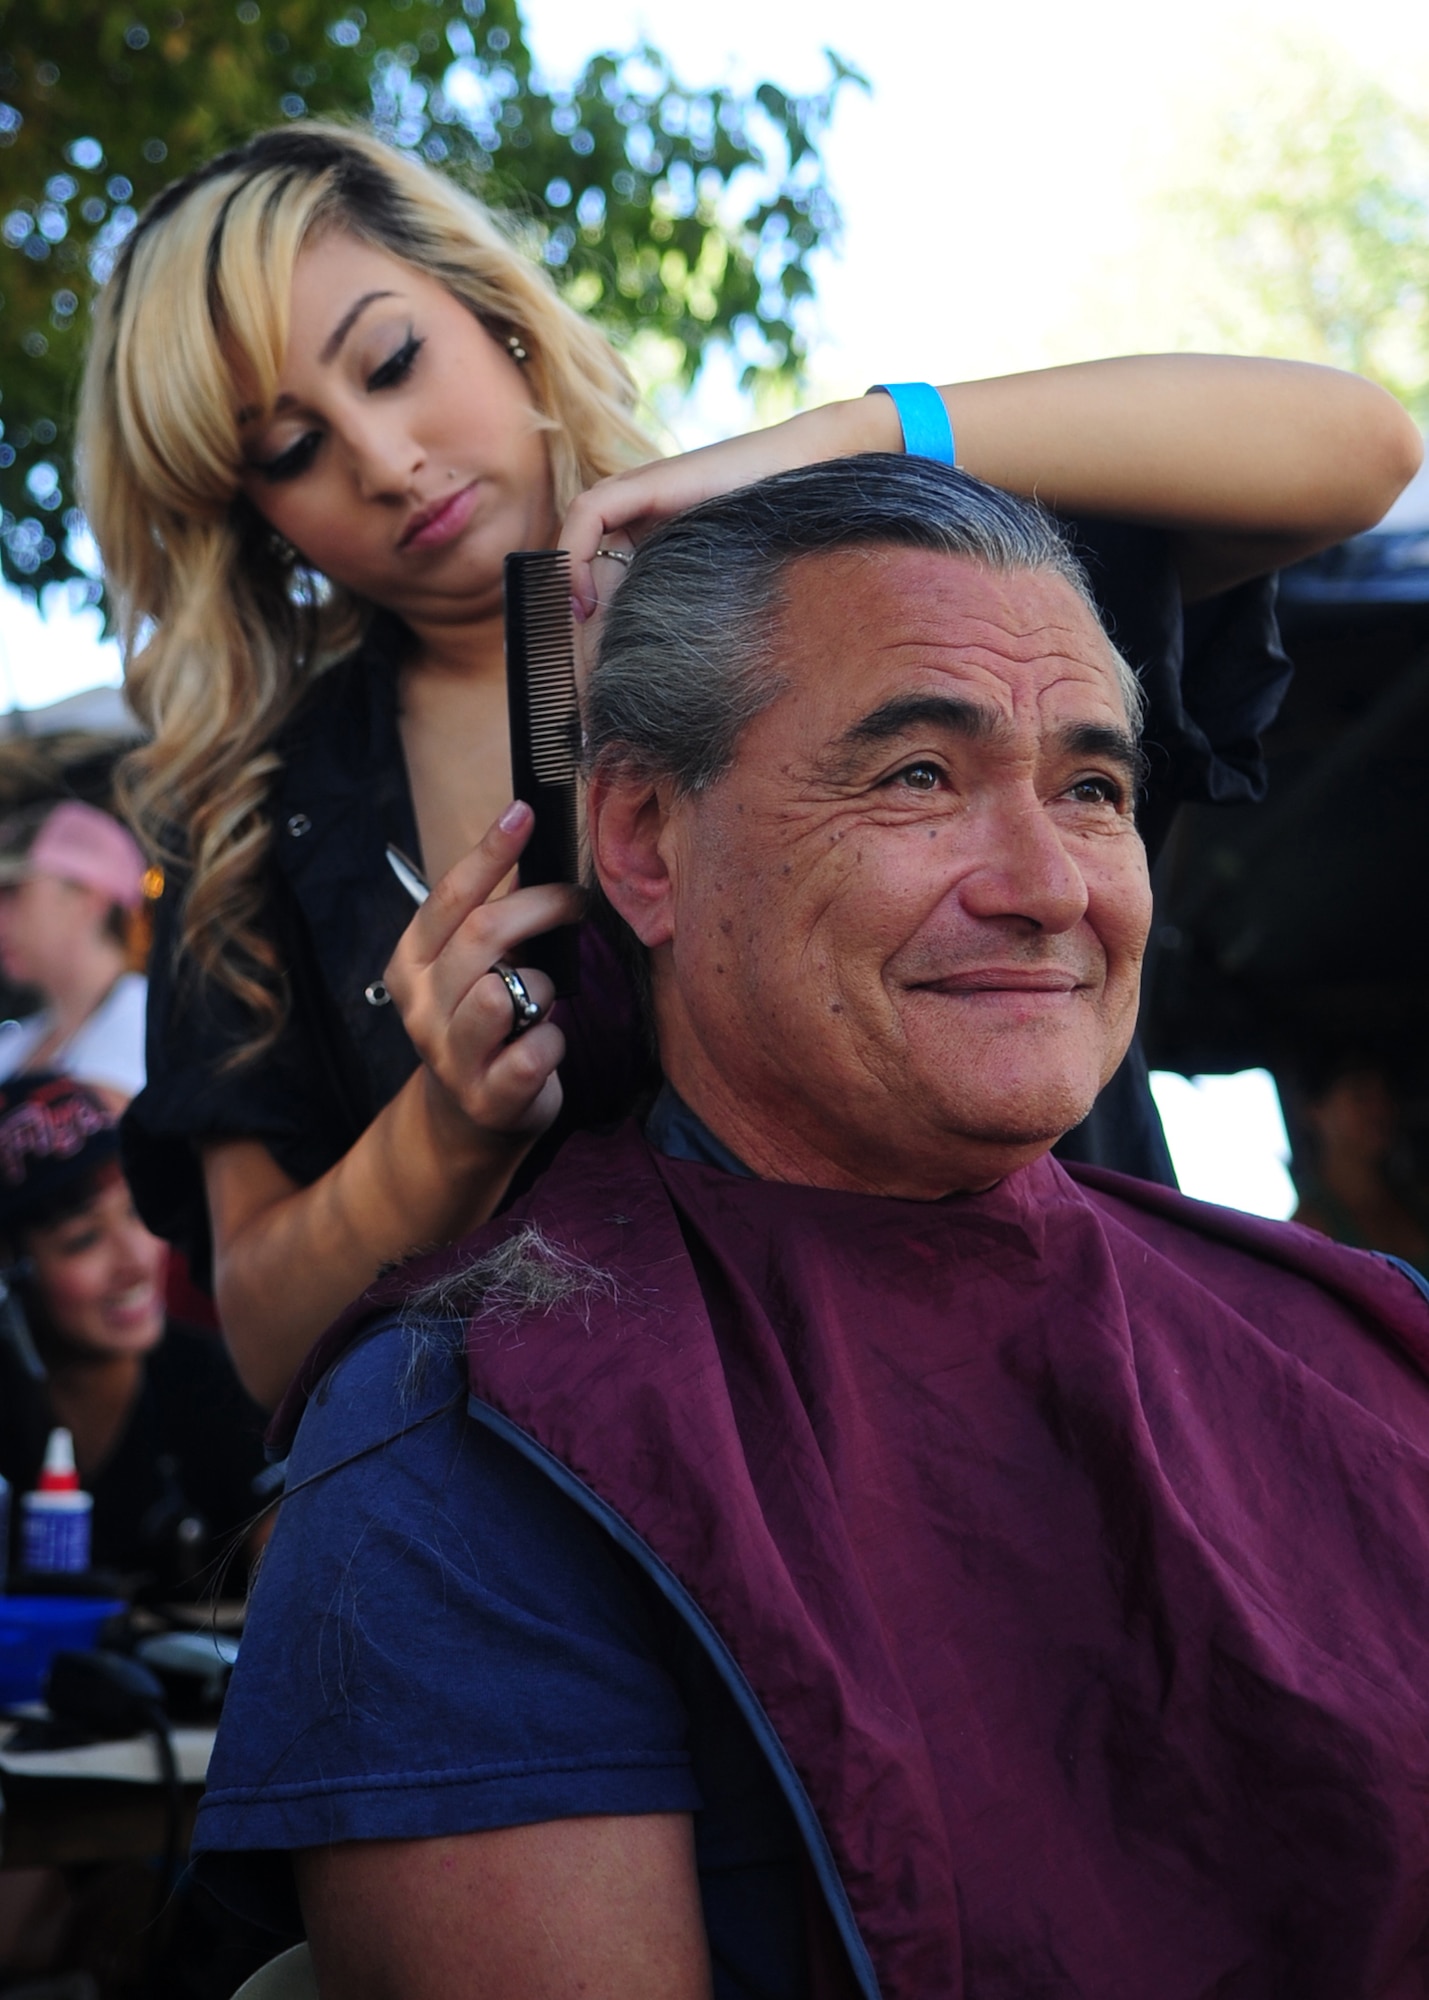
(55, 1132)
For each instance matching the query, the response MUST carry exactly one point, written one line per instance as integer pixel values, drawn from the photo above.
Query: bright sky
(1001, 183)
(1227, 1139)
(1004, 187)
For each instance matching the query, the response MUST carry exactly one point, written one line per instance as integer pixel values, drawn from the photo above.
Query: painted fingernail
(513, 816)
(578, 610)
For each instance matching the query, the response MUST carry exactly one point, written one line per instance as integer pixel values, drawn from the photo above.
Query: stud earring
(283, 550)
(515, 347)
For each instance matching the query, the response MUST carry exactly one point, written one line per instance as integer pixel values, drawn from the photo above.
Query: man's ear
(628, 820)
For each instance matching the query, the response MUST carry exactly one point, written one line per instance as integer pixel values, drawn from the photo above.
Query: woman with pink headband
(71, 879)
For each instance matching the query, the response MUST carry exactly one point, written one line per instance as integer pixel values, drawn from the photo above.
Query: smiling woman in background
(326, 397)
(164, 1438)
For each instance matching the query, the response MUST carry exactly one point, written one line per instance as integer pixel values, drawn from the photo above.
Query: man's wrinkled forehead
(867, 641)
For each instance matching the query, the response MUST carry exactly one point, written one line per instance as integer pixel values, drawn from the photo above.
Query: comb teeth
(545, 739)
(553, 746)
(540, 649)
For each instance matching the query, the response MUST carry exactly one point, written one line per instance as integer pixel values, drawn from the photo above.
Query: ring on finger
(617, 555)
(525, 1012)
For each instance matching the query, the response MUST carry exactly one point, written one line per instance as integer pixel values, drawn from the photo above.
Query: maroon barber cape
(1067, 1546)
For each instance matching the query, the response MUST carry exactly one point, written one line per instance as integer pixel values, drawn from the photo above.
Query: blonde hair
(221, 634)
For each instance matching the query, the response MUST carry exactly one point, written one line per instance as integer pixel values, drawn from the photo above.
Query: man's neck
(786, 1142)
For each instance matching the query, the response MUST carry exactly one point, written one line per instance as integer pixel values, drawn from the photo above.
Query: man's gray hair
(688, 656)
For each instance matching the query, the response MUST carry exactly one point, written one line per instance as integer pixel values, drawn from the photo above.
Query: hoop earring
(516, 348)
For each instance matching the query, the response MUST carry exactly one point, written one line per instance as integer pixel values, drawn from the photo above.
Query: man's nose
(1022, 869)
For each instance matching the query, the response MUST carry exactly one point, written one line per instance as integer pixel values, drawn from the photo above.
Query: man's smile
(1003, 979)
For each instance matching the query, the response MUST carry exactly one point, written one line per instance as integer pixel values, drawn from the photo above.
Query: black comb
(545, 740)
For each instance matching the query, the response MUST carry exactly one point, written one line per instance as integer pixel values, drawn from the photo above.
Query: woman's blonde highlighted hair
(221, 633)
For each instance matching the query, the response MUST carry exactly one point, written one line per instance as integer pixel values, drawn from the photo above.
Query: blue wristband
(927, 427)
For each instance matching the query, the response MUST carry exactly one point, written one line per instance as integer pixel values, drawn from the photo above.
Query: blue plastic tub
(34, 1629)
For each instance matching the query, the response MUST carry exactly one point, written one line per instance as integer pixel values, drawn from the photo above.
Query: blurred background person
(71, 883)
(165, 1439)
(1353, 1160)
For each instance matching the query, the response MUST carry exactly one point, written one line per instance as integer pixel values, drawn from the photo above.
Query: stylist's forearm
(1182, 441)
(1193, 441)
(289, 1259)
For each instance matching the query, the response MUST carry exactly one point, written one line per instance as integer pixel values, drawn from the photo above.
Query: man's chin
(1016, 1093)
(980, 1160)
(1006, 1136)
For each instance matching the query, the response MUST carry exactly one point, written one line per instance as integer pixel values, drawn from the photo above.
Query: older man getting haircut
(815, 1544)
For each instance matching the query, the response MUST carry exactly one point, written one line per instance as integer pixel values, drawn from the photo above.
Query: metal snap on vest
(376, 994)
(299, 824)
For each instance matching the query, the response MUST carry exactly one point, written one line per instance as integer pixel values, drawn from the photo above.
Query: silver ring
(617, 555)
(524, 1011)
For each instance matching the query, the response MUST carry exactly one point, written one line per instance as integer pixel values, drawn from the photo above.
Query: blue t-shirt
(440, 1641)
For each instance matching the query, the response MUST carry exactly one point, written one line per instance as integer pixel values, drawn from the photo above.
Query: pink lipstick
(442, 521)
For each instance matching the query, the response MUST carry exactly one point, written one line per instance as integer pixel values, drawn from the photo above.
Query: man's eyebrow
(970, 719)
(1104, 740)
(903, 712)
(347, 322)
(896, 717)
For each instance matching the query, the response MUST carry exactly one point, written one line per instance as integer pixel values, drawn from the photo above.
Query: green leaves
(692, 214)
(1318, 210)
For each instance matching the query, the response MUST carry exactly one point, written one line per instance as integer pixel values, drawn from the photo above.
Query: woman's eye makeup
(398, 365)
(290, 463)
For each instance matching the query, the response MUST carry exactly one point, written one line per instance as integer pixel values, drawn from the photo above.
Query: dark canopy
(1292, 933)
